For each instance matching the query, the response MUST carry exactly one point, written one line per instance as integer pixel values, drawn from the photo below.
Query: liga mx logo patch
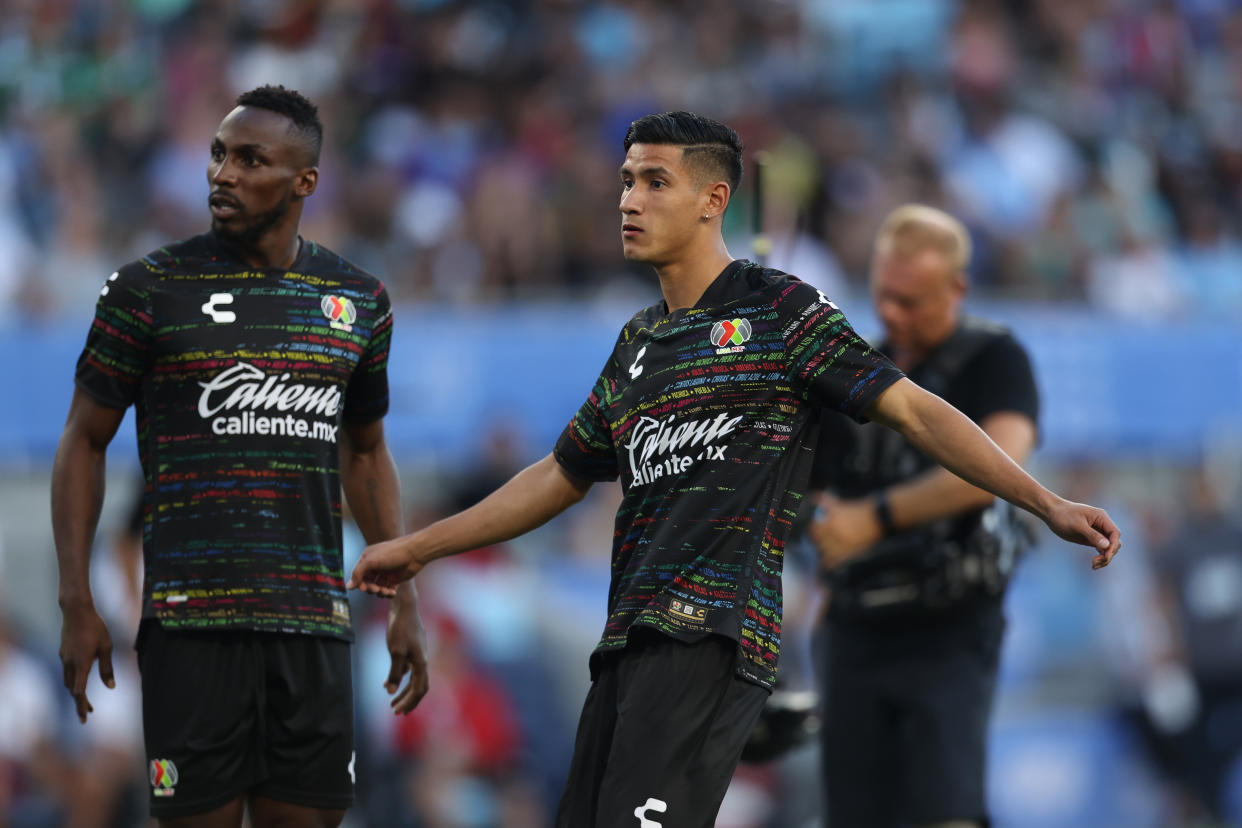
(163, 775)
(340, 311)
(730, 336)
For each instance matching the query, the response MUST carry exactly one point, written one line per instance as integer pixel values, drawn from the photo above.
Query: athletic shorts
(661, 733)
(906, 715)
(236, 712)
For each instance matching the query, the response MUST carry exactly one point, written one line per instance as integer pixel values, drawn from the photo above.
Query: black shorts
(232, 712)
(661, 733)
(906, 714)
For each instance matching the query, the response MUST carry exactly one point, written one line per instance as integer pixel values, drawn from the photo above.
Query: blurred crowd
(1093, 146)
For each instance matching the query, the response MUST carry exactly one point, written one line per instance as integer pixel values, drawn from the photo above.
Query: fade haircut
(709, 148)
(294, 106)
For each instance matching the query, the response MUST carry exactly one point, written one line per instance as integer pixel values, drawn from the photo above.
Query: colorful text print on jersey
(233, 398)
(730, 335)
(339, 310)
(163, 776)
(656, 446)
(652, 804)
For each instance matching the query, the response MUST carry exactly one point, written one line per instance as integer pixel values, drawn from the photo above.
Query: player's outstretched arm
(77, 498)
(531, 498)
(949, 437)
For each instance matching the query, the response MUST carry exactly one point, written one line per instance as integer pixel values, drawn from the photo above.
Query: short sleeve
(999, 378)
(585, 447)
(828, 362)
(366, 398)
(117, 353)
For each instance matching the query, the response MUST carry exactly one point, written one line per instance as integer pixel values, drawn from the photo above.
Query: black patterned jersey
(709, 415)
(241, 378)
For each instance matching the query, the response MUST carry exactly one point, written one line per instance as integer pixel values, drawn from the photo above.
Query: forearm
(932, 496)
(528, 500)
(77, 500)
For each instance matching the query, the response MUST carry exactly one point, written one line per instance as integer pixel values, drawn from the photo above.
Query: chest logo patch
(340, 311)
(210, 307)
(729, 336)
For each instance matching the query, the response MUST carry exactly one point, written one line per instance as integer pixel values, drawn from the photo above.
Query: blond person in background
(917, 558)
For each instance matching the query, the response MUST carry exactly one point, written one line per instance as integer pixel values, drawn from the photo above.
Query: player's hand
(1089, 526)
(843, 529)
(83, 638)
(383, 566)
(407, 644)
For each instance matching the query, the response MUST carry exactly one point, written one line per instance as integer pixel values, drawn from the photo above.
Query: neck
(271, 250)
(684, 281)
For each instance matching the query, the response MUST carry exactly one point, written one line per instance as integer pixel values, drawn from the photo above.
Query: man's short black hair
(709, 146)
(294, 106)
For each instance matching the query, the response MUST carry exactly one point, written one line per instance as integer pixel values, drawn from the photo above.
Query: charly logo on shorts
(652, 804)
(729, 336)
(340, 311)
(163, 775)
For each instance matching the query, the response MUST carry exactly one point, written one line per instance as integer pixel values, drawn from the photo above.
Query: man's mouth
(223, 206)
(629, 231)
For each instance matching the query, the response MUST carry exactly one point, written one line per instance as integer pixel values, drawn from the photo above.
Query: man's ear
(717, 198)
(305, 182)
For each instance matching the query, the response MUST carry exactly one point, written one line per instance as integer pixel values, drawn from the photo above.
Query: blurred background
(1094, 148)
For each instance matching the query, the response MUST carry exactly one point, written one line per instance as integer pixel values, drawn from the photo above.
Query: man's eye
(657, 184)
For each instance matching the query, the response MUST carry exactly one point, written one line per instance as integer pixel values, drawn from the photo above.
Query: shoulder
(785, 290)
(994, 342)
(326, 262)
(193, 253)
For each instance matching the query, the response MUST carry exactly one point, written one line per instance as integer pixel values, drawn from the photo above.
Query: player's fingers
(105, 666)
(358, 578)
(396, 672)
(83, 705)
(413, 692)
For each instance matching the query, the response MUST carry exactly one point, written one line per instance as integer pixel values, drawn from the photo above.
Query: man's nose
(221, 173)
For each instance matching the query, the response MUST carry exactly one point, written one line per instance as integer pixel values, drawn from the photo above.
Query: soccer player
(707, 409)
(257, 363)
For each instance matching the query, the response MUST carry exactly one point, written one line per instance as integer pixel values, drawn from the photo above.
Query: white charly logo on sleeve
(652, 804)
(655, 445)
(107, 284)
(636, 369)
(233, 398)
(824, 300)
(222, 316)
(352, 756)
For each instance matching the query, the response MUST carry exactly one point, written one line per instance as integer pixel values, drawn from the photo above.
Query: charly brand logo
(652, 804)
(163, 776)
(655, 446)
(635, 368)
(340, 311)
(108, 284)
(729, 336)
(233, 398)
(223, 316)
